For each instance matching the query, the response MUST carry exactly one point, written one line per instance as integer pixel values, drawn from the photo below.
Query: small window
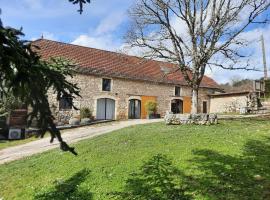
(106, 84)
(65, 103)
(177, 91)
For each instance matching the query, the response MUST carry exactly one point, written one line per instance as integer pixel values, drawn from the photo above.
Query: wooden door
(145, 99)
(204, 106)
(187, 105)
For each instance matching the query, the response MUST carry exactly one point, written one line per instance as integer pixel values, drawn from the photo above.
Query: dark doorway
(134, 111)
(177, 106)
(105, 109)
(204, 106)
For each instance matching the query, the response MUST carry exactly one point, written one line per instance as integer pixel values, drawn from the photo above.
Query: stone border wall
(201, 119)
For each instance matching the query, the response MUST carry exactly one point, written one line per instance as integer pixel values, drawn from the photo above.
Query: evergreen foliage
(80, 2)
(25, 76)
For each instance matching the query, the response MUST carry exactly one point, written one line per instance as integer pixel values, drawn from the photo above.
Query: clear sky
(102, 25)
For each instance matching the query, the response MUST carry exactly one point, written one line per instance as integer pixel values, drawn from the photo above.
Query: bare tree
(195, 34)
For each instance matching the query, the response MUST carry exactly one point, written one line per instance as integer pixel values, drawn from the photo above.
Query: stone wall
(122, 91)
(199, 119)
(228, 104)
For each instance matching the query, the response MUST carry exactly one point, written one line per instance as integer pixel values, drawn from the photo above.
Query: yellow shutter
(187, 105)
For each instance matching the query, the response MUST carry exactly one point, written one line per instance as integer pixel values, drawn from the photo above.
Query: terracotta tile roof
(115, 65)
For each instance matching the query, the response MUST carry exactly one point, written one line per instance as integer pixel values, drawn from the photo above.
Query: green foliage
(9, 103)
(151, 107)
(80, 2)
(28, 78)
(238, 83)
(85, 113)
(157, 179)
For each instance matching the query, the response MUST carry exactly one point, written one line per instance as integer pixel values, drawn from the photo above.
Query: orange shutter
(187, 105)
(145, 99)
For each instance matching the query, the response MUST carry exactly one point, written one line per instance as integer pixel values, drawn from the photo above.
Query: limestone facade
(122, 90)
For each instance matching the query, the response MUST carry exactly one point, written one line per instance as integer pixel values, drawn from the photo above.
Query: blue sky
(102, 25)
(59, 20)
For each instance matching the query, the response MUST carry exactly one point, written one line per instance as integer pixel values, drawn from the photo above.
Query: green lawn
(10, 143)
(228, 161)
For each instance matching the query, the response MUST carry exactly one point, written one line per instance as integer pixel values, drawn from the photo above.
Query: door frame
(177, 99)
(106, 97)
(205, 103)
(134, 100)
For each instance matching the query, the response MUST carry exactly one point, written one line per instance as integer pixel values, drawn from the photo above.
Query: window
(65, 103)
(177, 91)
(106, 84)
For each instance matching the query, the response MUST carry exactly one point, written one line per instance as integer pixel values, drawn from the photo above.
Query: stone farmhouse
(117, 86)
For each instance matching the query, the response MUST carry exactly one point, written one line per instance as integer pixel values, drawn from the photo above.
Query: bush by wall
(85, 113)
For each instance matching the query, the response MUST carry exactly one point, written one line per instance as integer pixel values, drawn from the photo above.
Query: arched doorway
(177, 106)
(134, 110)
(105, 109)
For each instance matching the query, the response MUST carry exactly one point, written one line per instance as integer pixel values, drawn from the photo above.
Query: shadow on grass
(233, 177)
(220, 176)
(68, 189)
(157, 179)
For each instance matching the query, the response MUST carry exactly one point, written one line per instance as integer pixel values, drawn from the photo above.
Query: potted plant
(85, 115)
(151, 108)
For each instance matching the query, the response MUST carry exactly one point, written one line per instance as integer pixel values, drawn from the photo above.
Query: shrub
(85, 113)
(151, 107)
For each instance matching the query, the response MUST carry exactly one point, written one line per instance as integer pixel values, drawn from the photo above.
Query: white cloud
(33, 4)
(49, 36)
(99, 42)
(102, 37)
(110, 23)
(46, 35)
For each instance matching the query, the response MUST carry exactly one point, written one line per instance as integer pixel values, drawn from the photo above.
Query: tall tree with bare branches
(195, 34)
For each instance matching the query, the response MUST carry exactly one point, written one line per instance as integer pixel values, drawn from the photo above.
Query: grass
(10, 143)
(226, 161)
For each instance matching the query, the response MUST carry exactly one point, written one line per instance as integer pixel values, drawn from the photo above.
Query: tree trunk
(194, 106)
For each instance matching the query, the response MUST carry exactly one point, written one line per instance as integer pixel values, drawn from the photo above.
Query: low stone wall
(201, 119)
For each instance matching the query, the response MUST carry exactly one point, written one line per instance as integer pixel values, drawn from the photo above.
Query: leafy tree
(25, 76)
(195, 34)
